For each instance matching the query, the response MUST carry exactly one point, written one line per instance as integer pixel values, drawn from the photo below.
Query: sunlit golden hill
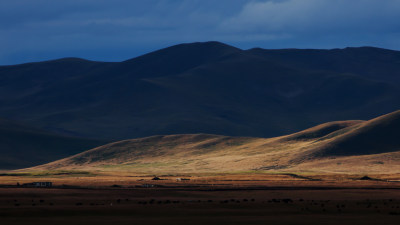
(345, 146)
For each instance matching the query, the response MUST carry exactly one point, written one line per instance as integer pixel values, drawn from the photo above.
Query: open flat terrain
(202, 199)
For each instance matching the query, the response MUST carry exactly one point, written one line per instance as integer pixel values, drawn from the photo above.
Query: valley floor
(203, 199)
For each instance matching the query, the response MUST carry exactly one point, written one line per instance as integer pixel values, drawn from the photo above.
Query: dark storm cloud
(120, 29)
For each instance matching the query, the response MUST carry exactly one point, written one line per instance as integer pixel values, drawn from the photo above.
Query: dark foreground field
(179, 205)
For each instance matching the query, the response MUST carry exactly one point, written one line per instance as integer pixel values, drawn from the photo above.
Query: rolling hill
(345, 146)
(205, 87)
(22, 146)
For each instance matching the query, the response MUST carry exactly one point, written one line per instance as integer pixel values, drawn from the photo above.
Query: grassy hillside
(22, 146)
(344, 146)
(201, 88)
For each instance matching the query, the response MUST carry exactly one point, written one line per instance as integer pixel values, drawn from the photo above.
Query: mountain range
(207, 87)
(202, 88)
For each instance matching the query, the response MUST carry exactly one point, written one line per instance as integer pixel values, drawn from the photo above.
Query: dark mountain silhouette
(202, 88)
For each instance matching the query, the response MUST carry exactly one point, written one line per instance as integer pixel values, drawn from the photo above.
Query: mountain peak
(206, 44)
(203, 49)
(175, 59)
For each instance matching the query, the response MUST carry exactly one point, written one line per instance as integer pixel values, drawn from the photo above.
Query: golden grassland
(348, 147)
(222, 154)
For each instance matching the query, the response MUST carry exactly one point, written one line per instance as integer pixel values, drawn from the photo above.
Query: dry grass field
(203, 199)
(207, 180)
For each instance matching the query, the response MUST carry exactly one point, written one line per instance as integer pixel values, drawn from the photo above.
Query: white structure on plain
(182, 179)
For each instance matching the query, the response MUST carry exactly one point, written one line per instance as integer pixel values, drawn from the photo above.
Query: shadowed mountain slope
(376, 136)
(200, 88)
(357, 144)
(22, 146)
(369, 62)
(322, 130)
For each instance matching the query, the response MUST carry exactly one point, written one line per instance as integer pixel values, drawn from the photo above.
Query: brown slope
(151, 150)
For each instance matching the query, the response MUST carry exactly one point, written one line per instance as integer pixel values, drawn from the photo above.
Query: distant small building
(182, 179)
(38, 184)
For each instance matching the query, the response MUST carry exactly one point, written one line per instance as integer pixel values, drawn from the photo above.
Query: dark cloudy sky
(113, 30)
